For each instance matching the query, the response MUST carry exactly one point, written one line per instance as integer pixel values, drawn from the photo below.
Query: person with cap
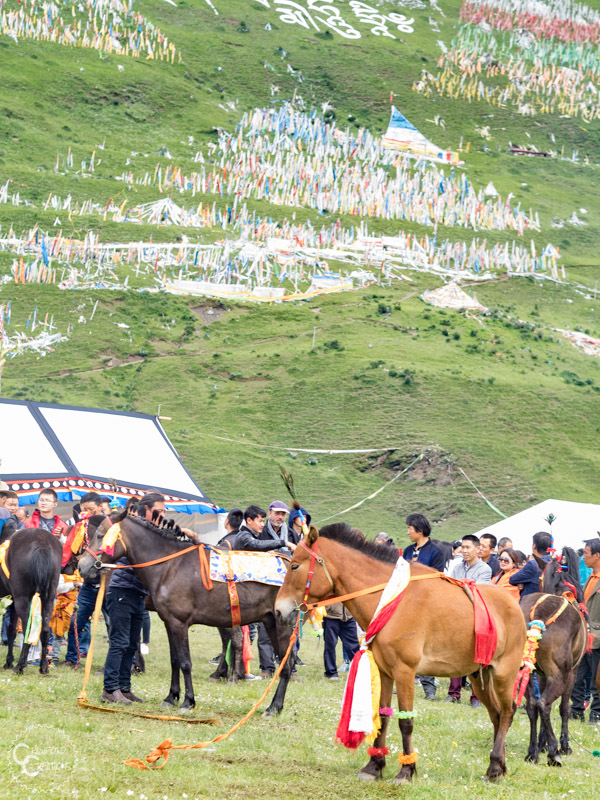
(294, 524)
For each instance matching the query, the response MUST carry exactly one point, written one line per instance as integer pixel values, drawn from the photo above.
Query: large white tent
(574, 523)
(76, 450)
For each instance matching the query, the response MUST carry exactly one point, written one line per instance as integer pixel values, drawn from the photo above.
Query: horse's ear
(313, 535)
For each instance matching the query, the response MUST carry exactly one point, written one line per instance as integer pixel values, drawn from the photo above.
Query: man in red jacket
(44, 516)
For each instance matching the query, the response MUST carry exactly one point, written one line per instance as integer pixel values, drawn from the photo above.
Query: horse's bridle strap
(369, 590)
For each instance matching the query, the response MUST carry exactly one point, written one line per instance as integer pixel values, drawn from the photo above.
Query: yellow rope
(162, 751)
(82, 698)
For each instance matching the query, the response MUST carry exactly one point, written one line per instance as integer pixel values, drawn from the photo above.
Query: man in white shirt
(469, 567)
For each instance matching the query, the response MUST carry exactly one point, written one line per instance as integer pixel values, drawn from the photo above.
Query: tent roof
(574, 524)
(76, 450)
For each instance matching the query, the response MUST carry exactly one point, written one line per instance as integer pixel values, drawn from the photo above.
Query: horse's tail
(43, 570)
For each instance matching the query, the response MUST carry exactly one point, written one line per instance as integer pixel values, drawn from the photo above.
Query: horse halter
(314, 557)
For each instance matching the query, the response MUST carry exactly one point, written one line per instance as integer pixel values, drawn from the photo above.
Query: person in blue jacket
(421, 548)
(529, 576)
(427, 553)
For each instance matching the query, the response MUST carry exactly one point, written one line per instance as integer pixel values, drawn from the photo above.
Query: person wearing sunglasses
(509, 564)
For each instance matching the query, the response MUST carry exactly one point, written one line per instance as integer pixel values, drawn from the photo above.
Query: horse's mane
(167, 529)
(350, 537)
(559, 571)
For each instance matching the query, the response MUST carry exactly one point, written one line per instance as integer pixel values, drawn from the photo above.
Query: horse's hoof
(270, 712)
(554, 761)
(167, 703)
(495, 778)
(368, 776)
(7, 665)
(185, 709)
(531, 758)
(565, 751)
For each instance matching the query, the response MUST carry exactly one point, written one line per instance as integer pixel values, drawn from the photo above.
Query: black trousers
(126, 612)
(334, 629)
(266, 654)
(588, 667)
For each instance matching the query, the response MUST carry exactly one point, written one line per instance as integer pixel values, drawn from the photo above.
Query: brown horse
(431, 633)
(560, 650)
(33, 561)
(180, 598)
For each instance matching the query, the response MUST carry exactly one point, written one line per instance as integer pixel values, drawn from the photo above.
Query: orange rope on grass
(82, 699)
(162, 751)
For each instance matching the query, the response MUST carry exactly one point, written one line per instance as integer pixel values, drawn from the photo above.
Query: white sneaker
(144, 649)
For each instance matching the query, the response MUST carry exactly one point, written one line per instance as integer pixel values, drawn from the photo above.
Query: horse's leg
(22, 609)
(565, 748)
(374, 768)
(47, 605)
(279, 635)
(237, 655)
(182, 639)
(555, 686)
(481, 683)
(404, 678)
(533, 753)
(174, 689)
(222, 670)
(10, 636)
(497, 696)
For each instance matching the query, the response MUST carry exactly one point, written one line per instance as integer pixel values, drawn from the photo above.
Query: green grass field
(80, 753)
(503, 397)
(510, 401)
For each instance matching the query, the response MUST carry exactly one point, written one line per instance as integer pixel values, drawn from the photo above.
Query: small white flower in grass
(103, 789)
(129, 793)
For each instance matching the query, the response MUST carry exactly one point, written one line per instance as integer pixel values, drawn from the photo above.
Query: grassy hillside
(506, 398)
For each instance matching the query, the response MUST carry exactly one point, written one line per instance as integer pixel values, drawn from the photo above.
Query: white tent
(76, 450)
(574, 524)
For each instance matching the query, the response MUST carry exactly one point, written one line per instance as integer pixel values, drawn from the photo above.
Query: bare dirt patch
(437, 466)
(208, 313)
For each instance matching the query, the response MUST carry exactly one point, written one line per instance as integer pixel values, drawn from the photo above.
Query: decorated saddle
(244, 565)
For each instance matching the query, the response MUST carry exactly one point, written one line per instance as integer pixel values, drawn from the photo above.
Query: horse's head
(308, 578)
(561, 575)
(105, 546)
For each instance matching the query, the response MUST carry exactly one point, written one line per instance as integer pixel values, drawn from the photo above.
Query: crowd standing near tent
(268, 531)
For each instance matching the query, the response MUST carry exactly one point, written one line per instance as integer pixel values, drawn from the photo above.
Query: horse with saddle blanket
(196, 584)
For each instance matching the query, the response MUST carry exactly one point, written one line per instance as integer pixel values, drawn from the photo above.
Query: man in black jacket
(233, 520)
(126, 602)
(255, 535)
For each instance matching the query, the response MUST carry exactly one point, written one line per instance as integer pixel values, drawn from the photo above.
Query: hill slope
(504, 397)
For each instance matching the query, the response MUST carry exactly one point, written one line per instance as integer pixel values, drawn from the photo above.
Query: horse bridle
(315, 558)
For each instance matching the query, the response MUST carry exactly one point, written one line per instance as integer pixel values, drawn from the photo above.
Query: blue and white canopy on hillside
(402, 135)
(76, 450)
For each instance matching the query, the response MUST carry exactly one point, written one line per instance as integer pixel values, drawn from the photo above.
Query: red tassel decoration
(350, 739)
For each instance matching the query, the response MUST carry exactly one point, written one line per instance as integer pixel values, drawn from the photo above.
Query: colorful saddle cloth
(244, 565)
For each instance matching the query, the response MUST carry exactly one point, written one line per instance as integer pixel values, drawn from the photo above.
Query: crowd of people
(279, 529)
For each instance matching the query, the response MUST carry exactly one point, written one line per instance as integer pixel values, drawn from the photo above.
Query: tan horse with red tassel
(417, 621)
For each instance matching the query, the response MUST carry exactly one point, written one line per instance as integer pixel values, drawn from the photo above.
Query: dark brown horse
(431, 632)
(181, 599)
(560, 650)
(33, 561)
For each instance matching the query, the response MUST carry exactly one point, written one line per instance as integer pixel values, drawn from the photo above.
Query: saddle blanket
(244, 565)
